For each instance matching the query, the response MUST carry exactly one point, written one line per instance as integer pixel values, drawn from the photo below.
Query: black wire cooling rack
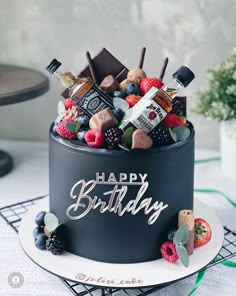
(13, 214)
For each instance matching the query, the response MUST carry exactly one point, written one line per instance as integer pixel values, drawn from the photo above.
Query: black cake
(118, 206)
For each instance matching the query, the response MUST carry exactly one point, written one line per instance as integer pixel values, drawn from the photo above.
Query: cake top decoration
(106, 99)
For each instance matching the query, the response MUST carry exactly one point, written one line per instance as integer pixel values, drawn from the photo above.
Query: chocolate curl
(142, 56)
(91, 67)
(163, 70)
(187, 216)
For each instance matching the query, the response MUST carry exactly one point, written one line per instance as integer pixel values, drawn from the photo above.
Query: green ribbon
(227, 263)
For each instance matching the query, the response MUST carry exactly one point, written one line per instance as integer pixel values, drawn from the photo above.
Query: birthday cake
(121, 166)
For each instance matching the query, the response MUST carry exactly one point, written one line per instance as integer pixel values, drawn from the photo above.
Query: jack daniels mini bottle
(155, 105)
(81, 90)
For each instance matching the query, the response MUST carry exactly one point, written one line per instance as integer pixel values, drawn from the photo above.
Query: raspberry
(172, 120)
(161, 136)
(68, 104)
(113, 137)
(63, 131)
(94, 138)
(132, 100)
(147, 83)
(168, 251)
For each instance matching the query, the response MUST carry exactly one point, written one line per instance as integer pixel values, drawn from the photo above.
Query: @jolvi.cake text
(114, 199)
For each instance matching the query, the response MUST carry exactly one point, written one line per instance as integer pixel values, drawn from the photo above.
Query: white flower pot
(228, 148)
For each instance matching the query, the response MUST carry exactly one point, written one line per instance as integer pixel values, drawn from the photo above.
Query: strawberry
(132, 100)
(168, 251)
(147, 83)
(68, 104)
(172, 120)
(202, 232)
(94, 138)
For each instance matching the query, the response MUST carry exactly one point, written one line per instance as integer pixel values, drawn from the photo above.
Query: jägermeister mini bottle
(82, 91)
(153, 107)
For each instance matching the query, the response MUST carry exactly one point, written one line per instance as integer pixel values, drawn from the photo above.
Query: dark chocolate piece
(104, 64)
(91, 67)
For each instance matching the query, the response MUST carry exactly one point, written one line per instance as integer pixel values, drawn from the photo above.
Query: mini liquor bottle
(153, 107)
(82, 91)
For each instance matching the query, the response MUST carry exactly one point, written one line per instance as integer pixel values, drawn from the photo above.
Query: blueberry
(171, 235)
(118, 113)
(39, 220)
(132, 89)
(84, 120)
(40, 241)
(119, 94)
(80, 135)
(37, 230)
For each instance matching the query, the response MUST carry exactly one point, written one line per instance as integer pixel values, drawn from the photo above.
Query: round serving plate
(153, 273)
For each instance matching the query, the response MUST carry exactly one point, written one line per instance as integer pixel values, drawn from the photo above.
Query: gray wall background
(199, 34)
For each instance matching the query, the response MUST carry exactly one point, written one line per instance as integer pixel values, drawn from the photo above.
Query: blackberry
(113, 137)
(55, 244)
(177, 107)
(161, 136)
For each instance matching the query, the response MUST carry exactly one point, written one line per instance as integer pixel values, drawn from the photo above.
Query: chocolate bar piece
(103, 120)
(104, 64)
(109, 84)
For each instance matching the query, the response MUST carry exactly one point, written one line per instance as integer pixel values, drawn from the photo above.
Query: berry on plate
(55, 244)
(37, 230)
(202, 232)
(132, 100)
(94, 138)
(168, 251)
(172, 121)
(39, 220)
(40, 241)
(147, 83)
(69, 104)
(63, 131)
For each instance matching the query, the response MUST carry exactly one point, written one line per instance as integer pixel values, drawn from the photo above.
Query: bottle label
(94, 101)
(149, 116)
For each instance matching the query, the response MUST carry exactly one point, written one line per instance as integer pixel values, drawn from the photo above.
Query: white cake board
(153, 273)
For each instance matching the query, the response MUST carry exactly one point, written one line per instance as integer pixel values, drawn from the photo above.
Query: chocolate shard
(104, 64)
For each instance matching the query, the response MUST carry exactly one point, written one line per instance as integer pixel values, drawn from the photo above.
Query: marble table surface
(29, 179)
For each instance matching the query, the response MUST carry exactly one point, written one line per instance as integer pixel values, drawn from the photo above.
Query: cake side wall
(133, 187)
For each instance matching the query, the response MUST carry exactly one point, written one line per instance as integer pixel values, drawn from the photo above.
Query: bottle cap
(53, 66)
(184, 75)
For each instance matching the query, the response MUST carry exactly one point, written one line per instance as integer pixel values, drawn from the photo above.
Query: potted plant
(218, 102)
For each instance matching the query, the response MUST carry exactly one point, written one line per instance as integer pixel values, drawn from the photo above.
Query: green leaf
(183, 255)
(59, 118)
(60, 107)
(73, 126)
(181, 132)
(51, 222)
(181, 235)
(126, 138)
(120, 103)
(173, 135)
